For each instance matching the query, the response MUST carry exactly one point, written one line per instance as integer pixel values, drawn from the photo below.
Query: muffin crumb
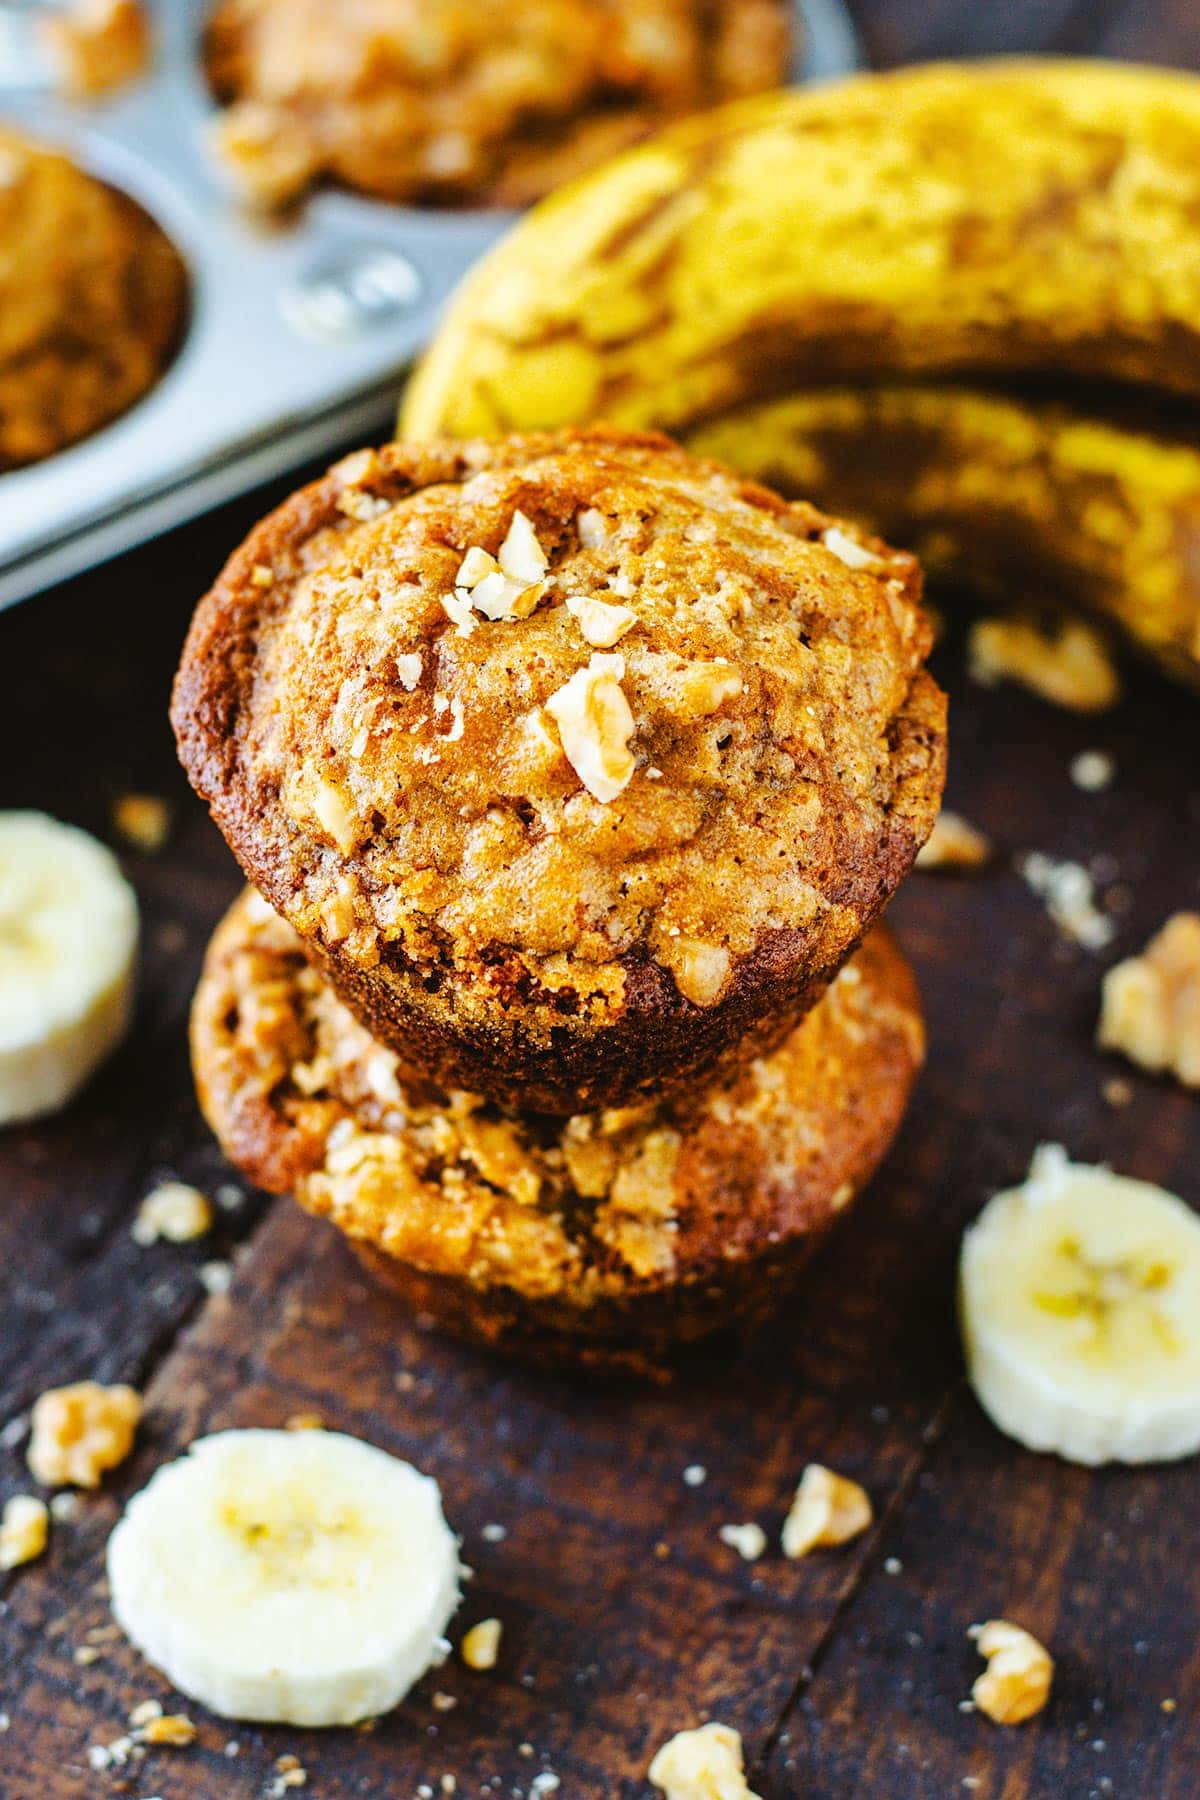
(143, 821)
(1150, 1010)
(1016, 1683)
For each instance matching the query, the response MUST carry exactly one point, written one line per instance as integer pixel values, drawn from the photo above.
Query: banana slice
(1079, 1297)
(296, 1577)
(68, 944)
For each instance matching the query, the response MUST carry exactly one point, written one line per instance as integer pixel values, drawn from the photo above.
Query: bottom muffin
(605, 1237)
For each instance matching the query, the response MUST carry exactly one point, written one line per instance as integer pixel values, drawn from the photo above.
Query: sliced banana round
(68, 948)
(298, 1577)
(1079, 1297)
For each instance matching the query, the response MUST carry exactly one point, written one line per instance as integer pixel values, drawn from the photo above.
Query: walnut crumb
(480, 1647)
(24, 1530)
(849, 551)
(704, 1764)
(173, 1211)
(954, 843)
(601, 623)
(80, 1432)
(1150, 1009)
(1069, 893)
(828, 1509)
(142, 821)
(506, 586)
(595, 726)
(1070, 667)
(1016, 1683)
(748, 1540)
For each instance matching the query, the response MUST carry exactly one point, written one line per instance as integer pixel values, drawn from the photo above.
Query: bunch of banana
(769, 280)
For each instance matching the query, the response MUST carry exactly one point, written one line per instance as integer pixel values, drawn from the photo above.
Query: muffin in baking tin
(93, 300)
(608, 1236)
(579, 764)
(445, 101)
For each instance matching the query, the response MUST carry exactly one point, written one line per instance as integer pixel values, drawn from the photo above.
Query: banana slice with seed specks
(297, 1577)
(68, 945)
(1079, 1295)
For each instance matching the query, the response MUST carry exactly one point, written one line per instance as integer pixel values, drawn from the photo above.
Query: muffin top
(518, 713)
(92, 300)
(305, 1101)
(442, 100)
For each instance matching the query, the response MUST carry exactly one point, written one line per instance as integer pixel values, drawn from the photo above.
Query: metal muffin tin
(298, 331)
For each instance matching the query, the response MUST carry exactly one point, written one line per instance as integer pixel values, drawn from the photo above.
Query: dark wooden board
(625, 1617)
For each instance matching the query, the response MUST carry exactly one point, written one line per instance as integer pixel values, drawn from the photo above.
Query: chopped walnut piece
(329, 808)
(457, 607)
(701, 970)
(97, 45)
(174, 1211)
(601, 623)
(24, 1529)
(595, 726)
(849, 551)
(1016, 1682)
(705, 1764)
(143, 821)
(79, 1432)
(954, 843)
(408, 670)
(1151, 1005)
(592, 527)
(1071, 667)
(481, 1645)
(828, 1509)
(521, 556)
(475, 565)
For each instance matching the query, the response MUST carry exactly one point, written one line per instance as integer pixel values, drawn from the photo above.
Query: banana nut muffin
(597, 1235)
(447, 101)
(92, 301)
(576, 761)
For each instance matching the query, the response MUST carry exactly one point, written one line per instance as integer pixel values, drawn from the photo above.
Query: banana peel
(1015, 495)
(1003, 221)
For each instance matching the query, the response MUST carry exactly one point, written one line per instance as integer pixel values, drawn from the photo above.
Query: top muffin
(93, 298)
(576, 760)
(446, 101)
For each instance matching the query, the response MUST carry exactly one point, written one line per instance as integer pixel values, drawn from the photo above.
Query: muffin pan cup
(298, 328)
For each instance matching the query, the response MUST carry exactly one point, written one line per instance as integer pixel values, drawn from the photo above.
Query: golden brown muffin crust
(92, 302)
(675, 1214)
(448, 101)
(404, 786)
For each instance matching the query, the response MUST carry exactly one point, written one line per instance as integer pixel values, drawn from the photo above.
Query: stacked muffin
(571, 772)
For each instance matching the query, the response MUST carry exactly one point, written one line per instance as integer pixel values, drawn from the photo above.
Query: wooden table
(625, 1617)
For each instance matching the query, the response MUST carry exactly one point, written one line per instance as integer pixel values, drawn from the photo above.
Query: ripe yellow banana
(1020, 495)
(1033, 216)
(1006, 219)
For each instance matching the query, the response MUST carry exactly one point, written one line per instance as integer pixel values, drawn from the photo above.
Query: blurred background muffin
(445, 101)
(92, 302)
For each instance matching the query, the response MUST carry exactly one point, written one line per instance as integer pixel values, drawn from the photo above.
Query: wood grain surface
(625, 1617)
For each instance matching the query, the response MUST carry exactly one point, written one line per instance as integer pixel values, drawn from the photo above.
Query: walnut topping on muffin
(595, 725)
